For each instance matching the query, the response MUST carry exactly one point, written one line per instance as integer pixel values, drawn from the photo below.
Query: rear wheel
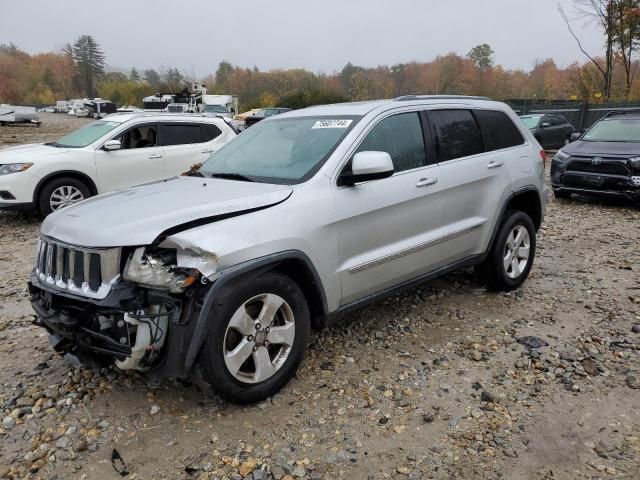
(511, 256)
(60, 193)
(257, 338)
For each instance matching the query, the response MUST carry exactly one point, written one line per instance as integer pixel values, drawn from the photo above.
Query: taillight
(543, 154)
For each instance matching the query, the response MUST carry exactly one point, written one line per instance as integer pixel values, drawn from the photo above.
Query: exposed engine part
(150, 327)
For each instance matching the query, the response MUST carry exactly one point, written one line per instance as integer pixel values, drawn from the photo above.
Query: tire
(55, 191)
(561, 194)
(251, 383)
(493, 271)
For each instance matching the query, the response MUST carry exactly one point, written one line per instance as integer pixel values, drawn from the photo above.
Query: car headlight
(635, 163)
(561, 156)
(158, 268)
(8, 168)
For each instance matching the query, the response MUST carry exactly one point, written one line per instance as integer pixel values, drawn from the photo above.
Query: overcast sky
(194, 35)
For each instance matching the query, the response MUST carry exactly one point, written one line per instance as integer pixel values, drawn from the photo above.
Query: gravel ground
(445, 381)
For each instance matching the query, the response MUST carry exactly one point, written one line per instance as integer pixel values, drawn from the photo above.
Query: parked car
(551, 130)
(262, 114)
(117, 152)
(297, 221)
(605, 160)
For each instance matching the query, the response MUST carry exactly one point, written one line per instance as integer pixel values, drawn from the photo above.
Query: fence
(580, 115)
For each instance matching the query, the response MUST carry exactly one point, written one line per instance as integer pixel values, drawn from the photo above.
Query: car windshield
(614, 130)
(286, 151)
(86, 135)
(215, 109)
(531, 121)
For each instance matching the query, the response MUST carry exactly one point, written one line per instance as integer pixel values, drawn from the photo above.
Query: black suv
(550, 130)
(604, 160)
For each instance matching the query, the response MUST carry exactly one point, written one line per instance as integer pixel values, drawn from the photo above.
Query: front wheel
(256, 340)
(60, 193)
(511, 256)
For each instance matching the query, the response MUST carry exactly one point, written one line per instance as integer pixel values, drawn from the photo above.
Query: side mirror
(111, 145)
(575, 136)
(545, 125)
(367, 166)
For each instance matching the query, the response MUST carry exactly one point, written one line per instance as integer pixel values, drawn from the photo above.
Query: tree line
(79, 70)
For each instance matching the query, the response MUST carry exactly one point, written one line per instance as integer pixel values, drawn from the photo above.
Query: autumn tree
(89, 60)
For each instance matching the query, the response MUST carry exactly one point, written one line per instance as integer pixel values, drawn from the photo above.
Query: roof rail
(622, 112)
(406, 98)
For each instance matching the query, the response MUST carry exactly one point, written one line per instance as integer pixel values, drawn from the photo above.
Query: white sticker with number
(332, 124)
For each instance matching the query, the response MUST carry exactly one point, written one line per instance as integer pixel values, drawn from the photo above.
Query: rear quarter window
(211, 131)
(498, 130)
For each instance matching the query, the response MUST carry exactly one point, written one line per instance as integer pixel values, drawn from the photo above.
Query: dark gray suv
(605, 160)
(550, 130)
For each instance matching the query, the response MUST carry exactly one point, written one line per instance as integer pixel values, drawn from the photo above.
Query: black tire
(561, 194)
(44, 198)
(211, 369)
(492, 270)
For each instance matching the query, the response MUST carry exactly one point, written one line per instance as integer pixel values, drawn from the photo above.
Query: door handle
(424, 182)
(494, 164)
(206, 151)
(155, 156)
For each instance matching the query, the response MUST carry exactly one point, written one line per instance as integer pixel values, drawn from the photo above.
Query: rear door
(388, 229)
(184, 145)
(139, 160)
(474, 180)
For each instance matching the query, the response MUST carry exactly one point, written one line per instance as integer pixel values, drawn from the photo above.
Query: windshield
(87, 134)
(215, 109)
(614, 130)
(531, 121)
(285, 151)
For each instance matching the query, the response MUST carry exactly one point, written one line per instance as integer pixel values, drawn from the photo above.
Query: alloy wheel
(517, 251)
(63, 196)
(259, 338)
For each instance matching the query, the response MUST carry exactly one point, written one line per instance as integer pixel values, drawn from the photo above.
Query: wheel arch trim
(252, 268)
(63, 173)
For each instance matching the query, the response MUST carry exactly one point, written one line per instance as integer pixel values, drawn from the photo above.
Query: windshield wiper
(53, 144)
(232, 176)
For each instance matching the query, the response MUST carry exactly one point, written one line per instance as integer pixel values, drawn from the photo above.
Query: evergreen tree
(134, 75)
(89, 60)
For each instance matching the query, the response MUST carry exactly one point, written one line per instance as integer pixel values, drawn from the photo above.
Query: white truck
(224, 105)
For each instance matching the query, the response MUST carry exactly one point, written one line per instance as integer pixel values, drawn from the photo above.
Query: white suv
(119, 151)
(300, 219)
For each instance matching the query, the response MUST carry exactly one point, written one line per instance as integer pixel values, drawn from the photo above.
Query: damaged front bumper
(133, 327)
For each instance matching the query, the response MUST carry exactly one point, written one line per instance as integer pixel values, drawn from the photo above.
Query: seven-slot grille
(605, 168)
(90, 272)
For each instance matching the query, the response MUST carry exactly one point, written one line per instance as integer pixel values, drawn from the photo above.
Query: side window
(555, 120)
(181, 133)
(498, 130)
(401, 137)
(141, 136)
(455, 133)
(211, 131)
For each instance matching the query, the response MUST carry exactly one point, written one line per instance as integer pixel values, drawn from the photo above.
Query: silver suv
(220, 275)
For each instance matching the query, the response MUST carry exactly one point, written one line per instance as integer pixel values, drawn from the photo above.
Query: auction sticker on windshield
(332, 124)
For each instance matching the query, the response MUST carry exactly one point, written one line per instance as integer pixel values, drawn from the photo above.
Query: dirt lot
(433, 383)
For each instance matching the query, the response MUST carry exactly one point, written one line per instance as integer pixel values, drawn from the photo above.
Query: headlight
(158, 269)
(635, 163)
(561, 156)
(14, 168)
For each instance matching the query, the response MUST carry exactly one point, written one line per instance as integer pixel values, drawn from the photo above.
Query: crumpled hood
(29, 153)
(625, 149)
(137, 215)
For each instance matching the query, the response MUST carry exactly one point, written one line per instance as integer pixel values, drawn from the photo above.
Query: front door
(139, 160)
(388, 229)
